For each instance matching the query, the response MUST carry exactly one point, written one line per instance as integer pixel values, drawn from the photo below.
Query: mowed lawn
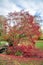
(39, 44)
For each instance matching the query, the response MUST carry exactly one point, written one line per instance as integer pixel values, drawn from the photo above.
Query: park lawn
(39, 44)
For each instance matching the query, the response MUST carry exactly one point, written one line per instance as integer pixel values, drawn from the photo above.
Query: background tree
(3, 22)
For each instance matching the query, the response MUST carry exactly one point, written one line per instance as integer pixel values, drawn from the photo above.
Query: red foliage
(25, 26)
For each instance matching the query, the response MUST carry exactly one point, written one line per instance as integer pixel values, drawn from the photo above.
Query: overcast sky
(35, 7)
(16, 5)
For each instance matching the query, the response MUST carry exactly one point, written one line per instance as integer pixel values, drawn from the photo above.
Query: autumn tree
(25, 27)
(25, 32)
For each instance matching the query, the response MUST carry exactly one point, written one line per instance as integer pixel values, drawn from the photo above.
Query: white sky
(33, 6)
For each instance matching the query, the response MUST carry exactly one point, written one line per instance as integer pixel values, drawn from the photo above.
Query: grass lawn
(3, 43)
(39, 44)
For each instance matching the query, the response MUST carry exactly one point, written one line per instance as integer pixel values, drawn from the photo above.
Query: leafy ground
(14, 60)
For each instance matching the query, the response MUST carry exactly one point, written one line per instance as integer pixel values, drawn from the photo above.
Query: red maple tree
(25, 29)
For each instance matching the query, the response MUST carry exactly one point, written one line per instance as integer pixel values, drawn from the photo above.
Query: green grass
(39, 44)
(3, 43)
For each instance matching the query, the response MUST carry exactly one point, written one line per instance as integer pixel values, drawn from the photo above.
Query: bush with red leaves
(25, 27)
